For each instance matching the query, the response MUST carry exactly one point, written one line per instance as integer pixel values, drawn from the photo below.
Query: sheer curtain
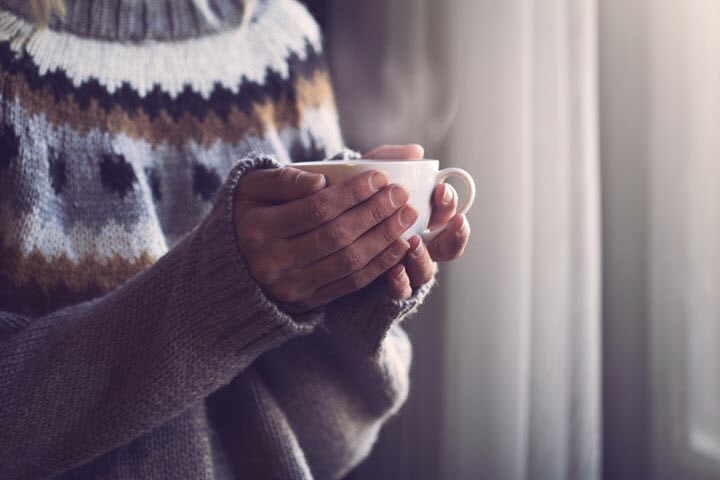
(661, 144)
(507, 375)
(506, 90)
(523, 344)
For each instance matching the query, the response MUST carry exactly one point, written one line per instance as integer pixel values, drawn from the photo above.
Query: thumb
(279, 185)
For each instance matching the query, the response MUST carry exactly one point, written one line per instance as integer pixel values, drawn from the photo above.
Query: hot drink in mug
(420, 177)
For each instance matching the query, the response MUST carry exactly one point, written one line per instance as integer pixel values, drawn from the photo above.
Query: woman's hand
(420, 265)
(307, 245)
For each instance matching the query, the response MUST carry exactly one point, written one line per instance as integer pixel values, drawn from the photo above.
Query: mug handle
(444, 174)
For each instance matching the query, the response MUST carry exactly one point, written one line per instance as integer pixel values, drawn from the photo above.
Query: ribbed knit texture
(134, 343)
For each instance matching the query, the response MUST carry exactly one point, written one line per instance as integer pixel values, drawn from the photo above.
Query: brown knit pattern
(134, 342)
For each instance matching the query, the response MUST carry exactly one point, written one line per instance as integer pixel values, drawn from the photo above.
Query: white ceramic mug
(420, 177)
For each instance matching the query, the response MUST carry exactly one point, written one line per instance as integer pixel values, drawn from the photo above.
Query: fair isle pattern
(77, 242)
(228, 122)
(103, 143)
(284, 28)
(134, 341)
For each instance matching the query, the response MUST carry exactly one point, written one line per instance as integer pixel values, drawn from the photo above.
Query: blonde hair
(43, 9)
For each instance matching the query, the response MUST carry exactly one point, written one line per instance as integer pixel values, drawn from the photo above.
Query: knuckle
(251, 238)
(401, 279)
(444, 213)
(386, 262)
(283, 257)
(389, 260)
(438, 251)
(460, 242)
(360, 189)
(350, 260)
(357, 281)
(264, 274)
(287, 175)
(376, 212)
(319, 210)
(389, 232)
(333, 238)
(246, 180)
(399, 249)
(447, 252)
(428, 273)
(250, 177)
(289, 293)
(359, 194)
(399, 287)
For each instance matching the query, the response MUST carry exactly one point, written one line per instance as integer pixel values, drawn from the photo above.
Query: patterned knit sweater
(133, 341)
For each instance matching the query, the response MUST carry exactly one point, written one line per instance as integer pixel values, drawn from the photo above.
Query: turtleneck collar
(139, 20)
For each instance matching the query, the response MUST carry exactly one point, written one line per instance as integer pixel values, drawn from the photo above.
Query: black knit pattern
(220, 102)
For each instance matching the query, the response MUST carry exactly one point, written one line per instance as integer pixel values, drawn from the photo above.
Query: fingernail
(415, 245)
(419, 148)
(447, 194)
(379, 180)
(408, 216)
(398, 195)
(400, 271)
(417, 251)
(313, 178)
(400, 247)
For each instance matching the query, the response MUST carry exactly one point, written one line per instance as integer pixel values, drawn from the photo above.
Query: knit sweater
(134, 343)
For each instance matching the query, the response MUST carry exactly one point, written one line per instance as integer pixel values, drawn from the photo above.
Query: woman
(166, 309)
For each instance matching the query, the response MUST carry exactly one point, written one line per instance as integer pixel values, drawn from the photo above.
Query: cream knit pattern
(133, 341)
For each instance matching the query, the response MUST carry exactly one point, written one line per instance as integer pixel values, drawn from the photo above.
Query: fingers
(303, 215)
(357, 255)
(398, 283)
(419, 266)
(360, 279)
(451, 243)
(364, 221)
(277, 185)
(444, 201)
(396, 152)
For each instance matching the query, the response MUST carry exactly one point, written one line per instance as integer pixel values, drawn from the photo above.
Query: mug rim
(361, 161)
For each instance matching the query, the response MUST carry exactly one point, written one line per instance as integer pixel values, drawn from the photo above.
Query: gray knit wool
(134, 342)
(161, 378)
(134, 20)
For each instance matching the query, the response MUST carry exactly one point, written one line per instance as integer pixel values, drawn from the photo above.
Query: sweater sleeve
(362, 320)
(339, 385)
(91, 377)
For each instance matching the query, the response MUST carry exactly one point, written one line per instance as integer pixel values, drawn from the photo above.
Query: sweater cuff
(245, 318)
(364, 318)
